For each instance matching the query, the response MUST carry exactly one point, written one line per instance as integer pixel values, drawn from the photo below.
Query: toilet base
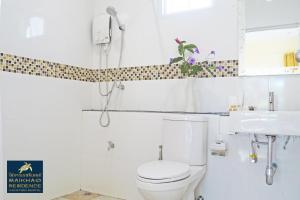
(181, 190)
(163, 195)
(197, 176)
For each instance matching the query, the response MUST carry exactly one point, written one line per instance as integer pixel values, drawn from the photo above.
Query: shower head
(112, 12)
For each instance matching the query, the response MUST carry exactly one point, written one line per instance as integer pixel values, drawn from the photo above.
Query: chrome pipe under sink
(271, 167)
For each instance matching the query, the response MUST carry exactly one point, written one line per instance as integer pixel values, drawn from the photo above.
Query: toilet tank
(184, 139)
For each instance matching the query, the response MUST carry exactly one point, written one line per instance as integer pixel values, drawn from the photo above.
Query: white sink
(265, 122)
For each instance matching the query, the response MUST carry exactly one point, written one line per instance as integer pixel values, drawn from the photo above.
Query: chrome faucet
(160, 157)
(271, 101)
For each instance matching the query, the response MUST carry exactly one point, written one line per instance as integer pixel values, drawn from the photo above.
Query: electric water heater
(102, 29)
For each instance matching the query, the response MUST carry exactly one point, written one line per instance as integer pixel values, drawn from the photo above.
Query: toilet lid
(161, 170)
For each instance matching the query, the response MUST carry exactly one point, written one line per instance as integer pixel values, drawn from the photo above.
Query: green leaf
(184, 69)
(190, 50)
(199, 67)
(190, 46)
(176, 60)
(195, 69)
(181, 49)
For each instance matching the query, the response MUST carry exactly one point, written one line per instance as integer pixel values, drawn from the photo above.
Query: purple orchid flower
(220, 68)
(191, 60)
(196, 50)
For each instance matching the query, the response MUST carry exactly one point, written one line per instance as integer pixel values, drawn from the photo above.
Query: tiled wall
(40, 116)
(1, 159)
(17, 64)
(22, 65)
(137, 136)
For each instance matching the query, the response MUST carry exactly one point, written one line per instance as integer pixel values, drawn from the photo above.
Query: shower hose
(104, 119)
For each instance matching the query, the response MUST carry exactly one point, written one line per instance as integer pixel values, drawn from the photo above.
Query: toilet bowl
(184, 149)
(167, 180)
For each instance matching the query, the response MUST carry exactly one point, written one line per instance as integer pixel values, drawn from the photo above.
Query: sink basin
(265, 122)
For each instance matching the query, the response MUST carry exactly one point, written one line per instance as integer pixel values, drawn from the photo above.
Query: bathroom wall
(42, 121)
(41, 116)
(149, 37)
(1, 158)
(137, 135)
(57, 31)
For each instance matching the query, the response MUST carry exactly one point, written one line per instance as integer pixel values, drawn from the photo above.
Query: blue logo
(24, 176)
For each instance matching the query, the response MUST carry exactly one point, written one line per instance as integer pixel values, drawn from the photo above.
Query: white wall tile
(194, 95)
(62, 30)
(42, 116)
(255, 92)
(1, 155)
(136, 141)
(42, 121)
(287, 92)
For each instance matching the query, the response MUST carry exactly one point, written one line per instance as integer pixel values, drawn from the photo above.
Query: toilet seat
(158, 172)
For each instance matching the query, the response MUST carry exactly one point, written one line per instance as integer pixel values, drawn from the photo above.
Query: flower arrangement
(187, 61)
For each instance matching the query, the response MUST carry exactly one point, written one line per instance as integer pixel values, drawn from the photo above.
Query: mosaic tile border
(23, 65)
(160, 72)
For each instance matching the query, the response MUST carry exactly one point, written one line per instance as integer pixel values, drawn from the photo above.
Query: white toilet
(176, 177)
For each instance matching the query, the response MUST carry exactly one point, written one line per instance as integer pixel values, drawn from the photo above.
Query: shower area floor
(83, 195)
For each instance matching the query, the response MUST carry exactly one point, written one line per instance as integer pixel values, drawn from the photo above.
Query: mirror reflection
(270, 37)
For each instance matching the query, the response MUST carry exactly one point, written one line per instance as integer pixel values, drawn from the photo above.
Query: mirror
(270, 37)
